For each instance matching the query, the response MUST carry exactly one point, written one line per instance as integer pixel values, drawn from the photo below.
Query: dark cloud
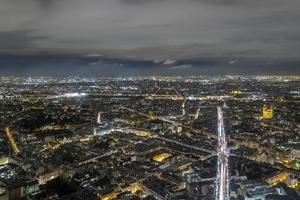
(14, 41)
(153, 29)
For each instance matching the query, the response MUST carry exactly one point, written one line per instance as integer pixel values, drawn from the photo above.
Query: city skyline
(149, 138)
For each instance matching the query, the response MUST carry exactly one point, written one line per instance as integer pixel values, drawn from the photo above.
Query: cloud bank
(152, 29)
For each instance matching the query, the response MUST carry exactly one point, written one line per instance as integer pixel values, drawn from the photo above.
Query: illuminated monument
(267, 111)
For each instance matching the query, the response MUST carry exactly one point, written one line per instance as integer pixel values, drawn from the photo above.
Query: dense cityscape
(148, 138)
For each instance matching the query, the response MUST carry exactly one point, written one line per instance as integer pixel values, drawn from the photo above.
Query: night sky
(149, 37)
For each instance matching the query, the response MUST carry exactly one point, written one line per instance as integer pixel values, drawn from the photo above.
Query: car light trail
(222, 180)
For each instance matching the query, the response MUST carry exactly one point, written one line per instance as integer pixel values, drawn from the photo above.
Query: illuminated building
(4, 161)
(137, 132)
(109, 196)
(133, 188)
(44, 178)
(176, 129)
(161, 157)
(236, 92)
(292, 182)
(281, 177)
(257, 191)
(267, 112)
